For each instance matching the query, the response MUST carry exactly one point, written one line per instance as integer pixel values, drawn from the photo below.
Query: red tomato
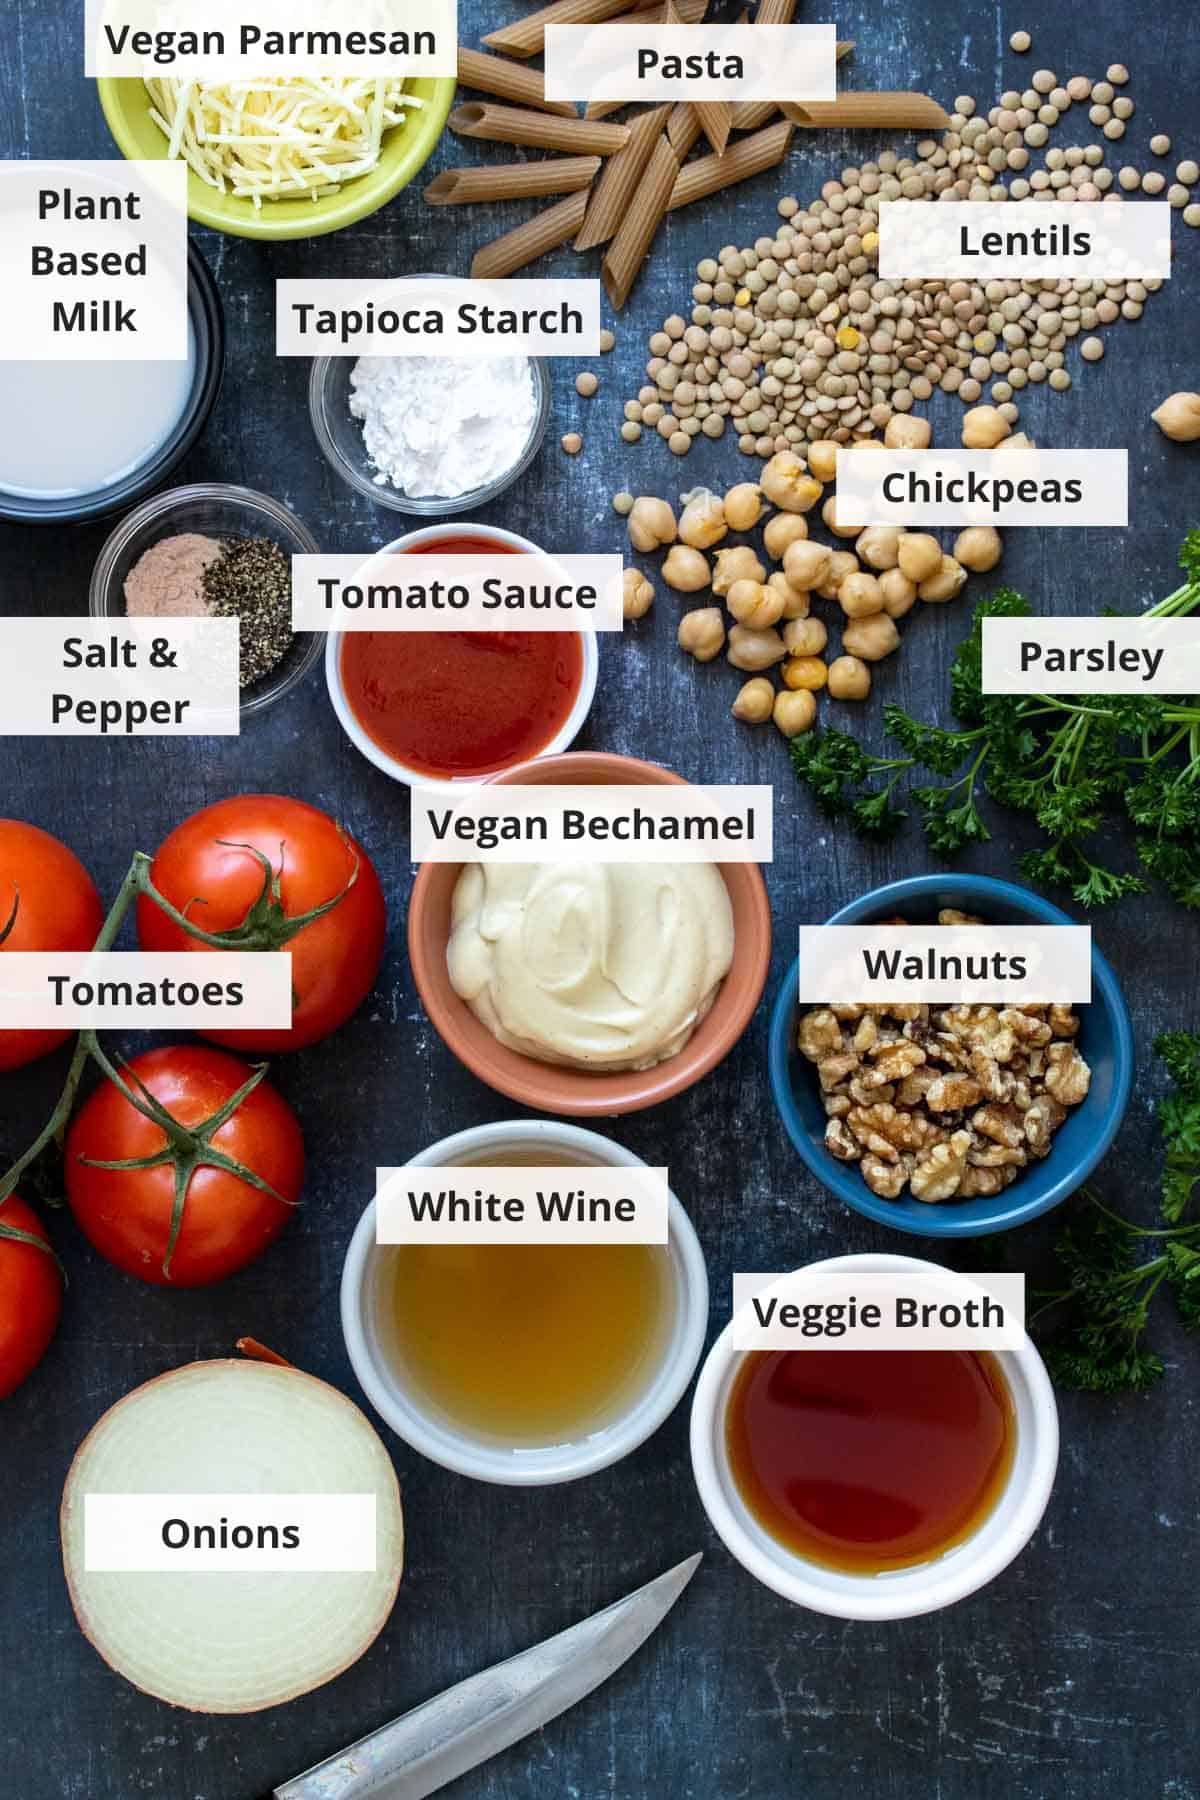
(208, 869)
(48, 901)
(30, 1294)
(127, 1214)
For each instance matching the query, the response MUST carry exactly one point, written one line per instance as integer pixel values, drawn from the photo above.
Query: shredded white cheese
(276, 138)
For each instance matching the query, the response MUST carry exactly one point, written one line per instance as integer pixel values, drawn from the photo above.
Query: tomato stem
(187, 1147)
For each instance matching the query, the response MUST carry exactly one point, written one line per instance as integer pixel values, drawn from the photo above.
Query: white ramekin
(897, 1593)
(412, 540)
(412, 1419)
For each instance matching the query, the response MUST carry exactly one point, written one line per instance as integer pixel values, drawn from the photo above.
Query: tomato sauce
(866, 1460)
(461, 703)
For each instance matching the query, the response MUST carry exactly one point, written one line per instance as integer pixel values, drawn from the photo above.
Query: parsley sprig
(1073, 766)
(1104, 1305)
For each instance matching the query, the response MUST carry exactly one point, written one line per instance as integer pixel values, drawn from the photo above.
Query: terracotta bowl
(575, 1093)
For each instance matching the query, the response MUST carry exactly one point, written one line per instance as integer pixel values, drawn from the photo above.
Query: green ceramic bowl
(126, 106)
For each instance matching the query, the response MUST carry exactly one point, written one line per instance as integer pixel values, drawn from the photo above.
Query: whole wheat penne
(715, 118)
(600, 109)
(859, 112)
(683, 128)
(748, 115)
(507, 81)
(512, 181)
(527, 36)
(616, 187)
(545, 231)
(536, 131)
(749, 156)
(627, 251)
(775, 12)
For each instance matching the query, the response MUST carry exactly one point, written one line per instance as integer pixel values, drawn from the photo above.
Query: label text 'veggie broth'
(462, 703)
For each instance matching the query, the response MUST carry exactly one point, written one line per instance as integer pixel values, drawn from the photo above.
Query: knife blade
(443, 1738)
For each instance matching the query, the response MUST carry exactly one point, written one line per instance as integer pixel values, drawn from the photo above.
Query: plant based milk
(77, 428)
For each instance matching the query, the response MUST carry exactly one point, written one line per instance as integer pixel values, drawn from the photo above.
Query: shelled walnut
(950, 1102)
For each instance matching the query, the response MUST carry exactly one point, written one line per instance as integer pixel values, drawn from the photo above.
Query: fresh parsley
(1074, 766)
(1104, 1305)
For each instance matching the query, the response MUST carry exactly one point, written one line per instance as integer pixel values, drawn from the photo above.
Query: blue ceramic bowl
(1105, 1041)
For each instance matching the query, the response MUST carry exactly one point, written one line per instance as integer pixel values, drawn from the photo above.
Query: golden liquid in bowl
(528, 1344)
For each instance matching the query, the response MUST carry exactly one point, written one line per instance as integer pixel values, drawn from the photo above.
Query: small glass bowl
(340, 436)
(215, 510)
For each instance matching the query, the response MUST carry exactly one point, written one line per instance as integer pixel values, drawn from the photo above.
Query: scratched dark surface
(1075, 1673)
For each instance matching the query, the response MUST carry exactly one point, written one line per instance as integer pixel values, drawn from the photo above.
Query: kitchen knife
(436, 1742)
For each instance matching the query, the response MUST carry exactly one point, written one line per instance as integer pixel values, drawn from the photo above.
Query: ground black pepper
(252, 582)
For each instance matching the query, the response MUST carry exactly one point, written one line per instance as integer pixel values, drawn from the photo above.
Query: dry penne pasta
(507, 81)
(749, 156)
(527, 37)
(748, 115)
(536, 131)
(775, 12)
(715, 118)
(683, 128)
(600, 109)
(616, 187)
(899, 110)
(546, 231)
(627, 251)
(512, 181)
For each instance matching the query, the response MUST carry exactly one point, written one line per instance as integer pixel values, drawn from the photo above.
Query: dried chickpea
(919, 555)
(739, 563)
(805, 672)
(871, 639)
(754, 604)
(879, 546)
(651, 523)
(841, 564)
(787, 484)
(829, 514)
(743, 506)
(702, 521)
(905, 432)
(686, 569)
(945, 583)
(899, 593)
(623, 503)
(702, 633)
(754, 701)
(795, 600)
(755, 650)
(822, 459)
(807, 565)
(783, 529)
(979, 547)
(983, 428)
(849, 678)
(637, 595)
(805, 637)
(860, 595)
(794, 712)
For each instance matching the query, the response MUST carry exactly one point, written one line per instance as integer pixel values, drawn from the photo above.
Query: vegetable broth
(867, 1460)
(529, 1344)
(79, 428)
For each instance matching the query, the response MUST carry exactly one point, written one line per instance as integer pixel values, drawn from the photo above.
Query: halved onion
(231, 1642)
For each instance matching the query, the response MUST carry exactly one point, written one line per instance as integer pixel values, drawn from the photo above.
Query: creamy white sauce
(607, 966)
(75, 428)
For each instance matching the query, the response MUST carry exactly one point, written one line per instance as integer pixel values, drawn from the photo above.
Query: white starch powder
(440, 426)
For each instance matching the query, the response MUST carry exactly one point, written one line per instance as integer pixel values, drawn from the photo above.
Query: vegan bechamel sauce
(524, 1344)
(78, 428)
(603, 966)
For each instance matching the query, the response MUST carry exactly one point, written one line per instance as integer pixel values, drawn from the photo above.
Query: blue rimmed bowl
(1105, 1041)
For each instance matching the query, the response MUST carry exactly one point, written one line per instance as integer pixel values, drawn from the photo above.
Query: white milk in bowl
(85, 426)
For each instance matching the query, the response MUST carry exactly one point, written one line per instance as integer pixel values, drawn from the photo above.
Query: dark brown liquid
(865, 1460)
